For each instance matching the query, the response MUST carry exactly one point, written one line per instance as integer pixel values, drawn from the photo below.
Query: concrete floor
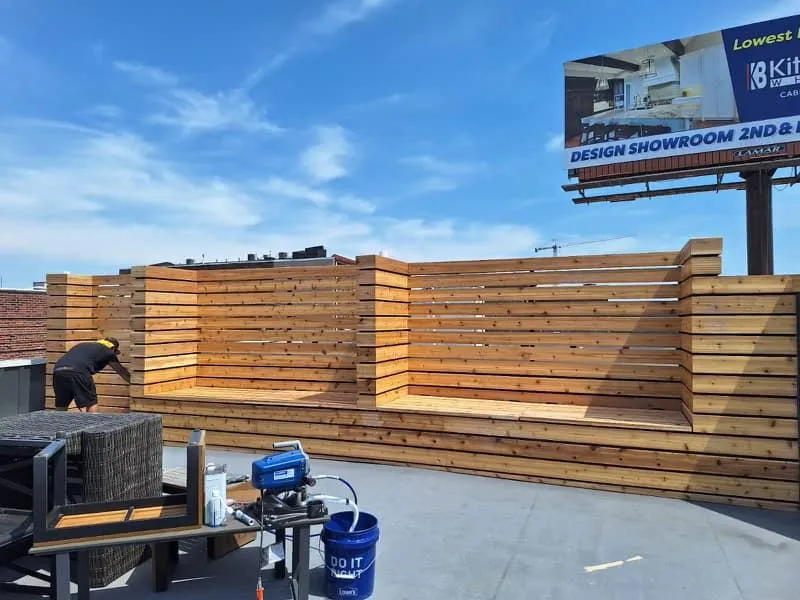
(470, 538)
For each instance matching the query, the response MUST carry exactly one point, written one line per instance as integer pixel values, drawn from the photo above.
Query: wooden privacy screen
(165, 333)
(659, 375)
(278, 328)
(593, 330)
(85, 308)
(739, 356)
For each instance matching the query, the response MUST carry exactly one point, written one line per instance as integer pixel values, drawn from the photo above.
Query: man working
(72, 374)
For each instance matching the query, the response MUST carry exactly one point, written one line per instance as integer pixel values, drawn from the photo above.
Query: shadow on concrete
(783, 523)
(196, 578)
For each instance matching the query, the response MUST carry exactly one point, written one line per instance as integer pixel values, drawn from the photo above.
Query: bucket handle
(349, 577)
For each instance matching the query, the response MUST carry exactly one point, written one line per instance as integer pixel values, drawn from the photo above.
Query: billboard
(726, 90)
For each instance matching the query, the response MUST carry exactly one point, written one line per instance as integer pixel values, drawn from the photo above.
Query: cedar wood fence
(647, 373)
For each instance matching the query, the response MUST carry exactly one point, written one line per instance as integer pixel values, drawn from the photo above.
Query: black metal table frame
(164, 544)
(47, 449)
(165, 556)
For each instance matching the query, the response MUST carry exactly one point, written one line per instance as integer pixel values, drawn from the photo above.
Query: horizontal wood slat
(746, 325)
(609, 261)
(276, 274)
(271, 286)
(539, 354)
(590, 324)
(606, 371)
(567, 385)
(543, 309)
(563, 293)
(546, 278)
(525, 338)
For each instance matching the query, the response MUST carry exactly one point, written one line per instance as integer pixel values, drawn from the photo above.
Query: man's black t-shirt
(89, 357)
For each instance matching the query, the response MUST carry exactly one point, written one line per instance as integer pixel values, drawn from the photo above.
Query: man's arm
(121, 371)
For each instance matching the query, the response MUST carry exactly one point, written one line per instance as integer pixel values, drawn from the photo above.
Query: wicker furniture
(110, 457)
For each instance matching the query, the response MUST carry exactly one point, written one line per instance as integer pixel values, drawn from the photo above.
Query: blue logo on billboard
(757, 75)
(773, 74)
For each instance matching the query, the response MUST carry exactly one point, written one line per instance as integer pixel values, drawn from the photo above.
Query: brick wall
(23, 324)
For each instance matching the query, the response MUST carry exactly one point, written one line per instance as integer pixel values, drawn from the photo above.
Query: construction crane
(556, 247)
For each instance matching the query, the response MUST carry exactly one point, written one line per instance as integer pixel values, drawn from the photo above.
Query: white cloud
(356, 204)
(328, 158)
(106, 111)
(334, 17)
(145, 74)
(555, 143)
(338, 15)
(419, 240)
(79, 169)
(192, 111)
(441, 175)
(61, 184)
(278, 187)
(283, 188)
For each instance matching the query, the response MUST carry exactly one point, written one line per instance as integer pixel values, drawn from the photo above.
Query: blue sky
(134, 132)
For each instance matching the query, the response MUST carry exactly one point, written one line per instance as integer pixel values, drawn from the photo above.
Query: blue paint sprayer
(350, 537)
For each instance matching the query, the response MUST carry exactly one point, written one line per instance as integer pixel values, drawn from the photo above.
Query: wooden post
(112, 317)
(699, 257)
(71, 304)
(165, 332)
(382, 338)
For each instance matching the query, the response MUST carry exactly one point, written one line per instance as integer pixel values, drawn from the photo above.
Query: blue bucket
(350, 557)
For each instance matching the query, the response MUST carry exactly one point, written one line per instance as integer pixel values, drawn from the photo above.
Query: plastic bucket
(350, 557)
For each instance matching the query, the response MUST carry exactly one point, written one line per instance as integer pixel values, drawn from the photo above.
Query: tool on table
(283, 480)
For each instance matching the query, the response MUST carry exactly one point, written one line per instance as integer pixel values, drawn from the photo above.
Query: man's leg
(85, 393)
(63, 390)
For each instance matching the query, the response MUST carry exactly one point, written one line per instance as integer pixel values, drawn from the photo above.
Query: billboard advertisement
(725, 90)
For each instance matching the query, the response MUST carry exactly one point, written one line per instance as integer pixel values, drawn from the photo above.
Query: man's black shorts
(70, 385)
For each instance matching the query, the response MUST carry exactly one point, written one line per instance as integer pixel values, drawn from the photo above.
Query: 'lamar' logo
(760, 151)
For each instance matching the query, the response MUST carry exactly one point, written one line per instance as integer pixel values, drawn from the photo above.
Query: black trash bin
(22, 386)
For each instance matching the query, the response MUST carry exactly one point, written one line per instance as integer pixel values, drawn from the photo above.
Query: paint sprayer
(283, 480)
(285, 477)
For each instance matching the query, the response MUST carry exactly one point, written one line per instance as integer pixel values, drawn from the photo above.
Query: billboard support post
(759, 221)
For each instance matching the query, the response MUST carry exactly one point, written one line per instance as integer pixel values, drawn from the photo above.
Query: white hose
(338, 500)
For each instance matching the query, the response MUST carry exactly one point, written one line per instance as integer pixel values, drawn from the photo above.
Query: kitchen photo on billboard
(677, 85)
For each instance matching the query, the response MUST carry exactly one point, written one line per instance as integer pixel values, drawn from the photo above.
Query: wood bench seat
(557, 413)
(661, 420)
(277, 397)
